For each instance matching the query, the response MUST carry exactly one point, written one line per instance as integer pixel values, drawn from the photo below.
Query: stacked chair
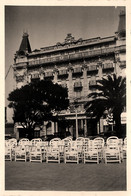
(93, 150)
(8, 151)
(36, 154)
(71, 153)
(124, 148)
(112, 150)
(67, 150)
(53, 152)
(22, 150)
(10, 146)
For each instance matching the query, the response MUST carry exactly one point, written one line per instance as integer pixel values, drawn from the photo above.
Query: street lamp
(75, 104)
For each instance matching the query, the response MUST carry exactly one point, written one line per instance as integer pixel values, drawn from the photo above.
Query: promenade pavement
(65, 177)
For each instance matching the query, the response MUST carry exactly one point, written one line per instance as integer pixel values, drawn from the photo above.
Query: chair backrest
(100, 141)
(54, 142)
(35, 141)
(35, 149)
(13, 142)
(86, 141)
(125, 141)
(7, 143)
(56, 139)
(24, 141)
(66, 141)
(120, 141)
(69, 137)
(80, 139)
(112, 141)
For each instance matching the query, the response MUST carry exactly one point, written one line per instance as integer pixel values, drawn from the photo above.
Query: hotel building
(77, 65)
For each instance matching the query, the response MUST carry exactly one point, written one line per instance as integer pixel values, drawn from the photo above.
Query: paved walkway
(65, 177)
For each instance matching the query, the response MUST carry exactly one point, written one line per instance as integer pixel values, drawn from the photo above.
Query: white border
(126, 3)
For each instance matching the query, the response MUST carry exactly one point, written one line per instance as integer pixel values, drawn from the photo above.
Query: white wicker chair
(36, 154)
(91, 152)
(20, 153)
(124, 148)
(71, 153)
(112, 151)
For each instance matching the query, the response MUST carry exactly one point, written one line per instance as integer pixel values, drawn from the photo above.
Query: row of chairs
(66, 150)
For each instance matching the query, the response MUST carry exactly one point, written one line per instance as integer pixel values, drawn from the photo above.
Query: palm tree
(110, 95)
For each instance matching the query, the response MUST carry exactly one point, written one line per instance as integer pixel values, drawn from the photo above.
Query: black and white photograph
(65, 98)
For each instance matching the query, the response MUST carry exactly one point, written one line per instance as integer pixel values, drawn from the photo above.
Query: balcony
(48, 74)
(35, 76)
(19, 78)
(108, 66)
(92, 68)
(78, 55)
(77, 72)
(77, 85)
(123, 64)
(64, 85)
(63, 74)
(92, 83)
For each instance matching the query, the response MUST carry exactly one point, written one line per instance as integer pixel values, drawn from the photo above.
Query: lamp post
(75, 102)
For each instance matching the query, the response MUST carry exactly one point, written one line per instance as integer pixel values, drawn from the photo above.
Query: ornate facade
(77, 65)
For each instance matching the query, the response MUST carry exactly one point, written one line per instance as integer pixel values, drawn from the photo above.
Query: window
(78, 94)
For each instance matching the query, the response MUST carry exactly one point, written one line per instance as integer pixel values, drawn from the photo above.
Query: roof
(121, 26)
(25, 44)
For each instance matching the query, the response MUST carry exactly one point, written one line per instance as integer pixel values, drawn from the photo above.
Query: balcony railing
(92, 68)
(79, 55)
(34, 76)
(64, 85)
(77, 70)
(123, 64)
(92, 83)
(78, 85)
(108, 66)
(20, 78)
(48, 74)
(62, 72)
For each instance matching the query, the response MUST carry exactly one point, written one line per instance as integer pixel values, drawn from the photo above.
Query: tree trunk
(118, 129)
(30, 132)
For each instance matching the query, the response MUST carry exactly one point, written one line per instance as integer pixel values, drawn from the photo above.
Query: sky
(47, 25)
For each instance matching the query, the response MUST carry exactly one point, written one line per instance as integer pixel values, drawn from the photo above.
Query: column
(55, 75)
(41, 73)
(85, 128)
(53, 127)
(85, 82)
(82, 124)
(117, 63)
(29, 78)
(70, 81)
(16, 131)
(100, 73)
(25, 76)
(98, 128)
(43, 131)
(56, 127)
(101, 125)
